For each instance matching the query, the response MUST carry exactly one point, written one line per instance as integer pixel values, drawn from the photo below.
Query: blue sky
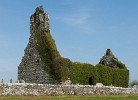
(82, 29)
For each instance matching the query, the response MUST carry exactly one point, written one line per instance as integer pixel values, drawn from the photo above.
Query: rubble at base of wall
(25, 89)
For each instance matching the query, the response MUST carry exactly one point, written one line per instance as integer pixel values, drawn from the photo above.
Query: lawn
(134, 97)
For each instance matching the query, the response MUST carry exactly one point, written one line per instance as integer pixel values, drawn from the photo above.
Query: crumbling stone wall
(22, 89)
(31, 68)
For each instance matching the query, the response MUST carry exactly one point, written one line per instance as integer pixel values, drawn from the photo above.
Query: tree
(135, 82)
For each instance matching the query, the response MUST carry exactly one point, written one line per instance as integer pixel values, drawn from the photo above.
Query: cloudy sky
(82, 29)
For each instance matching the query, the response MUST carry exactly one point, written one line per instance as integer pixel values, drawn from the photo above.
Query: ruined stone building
(43, 64)
(35, 64)
(110, 60)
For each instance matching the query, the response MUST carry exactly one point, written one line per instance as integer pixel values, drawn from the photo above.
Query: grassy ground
(134, 97)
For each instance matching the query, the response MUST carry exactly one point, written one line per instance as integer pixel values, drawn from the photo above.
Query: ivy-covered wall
(82, 73)
(89, 74)
(46, 46)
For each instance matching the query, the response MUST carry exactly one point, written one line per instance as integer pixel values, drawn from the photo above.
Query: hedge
(88, 74)
(83, 74)
(61, 68)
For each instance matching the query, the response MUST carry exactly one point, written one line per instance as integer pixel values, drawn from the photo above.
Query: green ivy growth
(46, 47)
(89, 74)
(61, 68)
(82, 73)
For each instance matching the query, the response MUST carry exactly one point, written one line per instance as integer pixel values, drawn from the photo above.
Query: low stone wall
(22, 89)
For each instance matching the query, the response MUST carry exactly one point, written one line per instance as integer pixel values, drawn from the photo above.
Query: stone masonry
(109, 59)
(26, 89)
(31, 67)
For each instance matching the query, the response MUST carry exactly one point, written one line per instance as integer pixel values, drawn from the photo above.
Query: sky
(82, 30)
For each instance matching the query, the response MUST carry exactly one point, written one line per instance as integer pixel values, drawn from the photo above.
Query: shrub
(83, 74)
(121, 65)
(114, 76)
(133, 83)
(61, 68)
(105, 74)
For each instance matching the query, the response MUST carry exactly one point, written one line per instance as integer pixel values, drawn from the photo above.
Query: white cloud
(79, 18)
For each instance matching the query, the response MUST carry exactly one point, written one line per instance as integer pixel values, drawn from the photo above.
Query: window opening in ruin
(36, 77)
(21, 71)
(30, 55)
(35, 70)
(32, 29)
(37, 60)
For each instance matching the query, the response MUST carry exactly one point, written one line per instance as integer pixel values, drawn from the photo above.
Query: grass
(124, 97)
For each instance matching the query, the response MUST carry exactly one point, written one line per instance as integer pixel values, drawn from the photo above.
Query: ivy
(82, 73)
(46, 47)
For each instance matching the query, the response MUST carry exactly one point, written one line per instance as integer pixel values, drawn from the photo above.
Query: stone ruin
(35, 66)
(109, 59)
(31, 68)
(28, 89)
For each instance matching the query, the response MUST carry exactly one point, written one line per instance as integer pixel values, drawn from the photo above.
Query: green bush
(114, 76)
(121, 65)
(83, 74)
(120, 77)
(135, 82)
(105, 74)
(61, 68)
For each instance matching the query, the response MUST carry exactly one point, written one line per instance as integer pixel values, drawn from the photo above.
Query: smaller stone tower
(109, 59)
(40, 51)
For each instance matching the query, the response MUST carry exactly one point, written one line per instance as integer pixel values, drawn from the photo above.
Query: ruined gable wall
(35, 64)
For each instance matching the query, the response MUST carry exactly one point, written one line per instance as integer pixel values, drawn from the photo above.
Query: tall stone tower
(41, 50)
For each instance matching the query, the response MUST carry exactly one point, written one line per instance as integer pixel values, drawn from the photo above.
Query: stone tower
(109, 59)
(40, 51)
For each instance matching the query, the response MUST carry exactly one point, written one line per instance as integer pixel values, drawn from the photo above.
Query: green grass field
(134, 97)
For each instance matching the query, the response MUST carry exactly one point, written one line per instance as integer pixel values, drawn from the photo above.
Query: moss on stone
(46, 47)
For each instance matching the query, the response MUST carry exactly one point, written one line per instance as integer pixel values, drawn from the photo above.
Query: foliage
(61, 68)
(121, 65)
(120, 77)
(105, 74)
(46, 46)
(81, 73)
(114, 76)
(133, 83)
